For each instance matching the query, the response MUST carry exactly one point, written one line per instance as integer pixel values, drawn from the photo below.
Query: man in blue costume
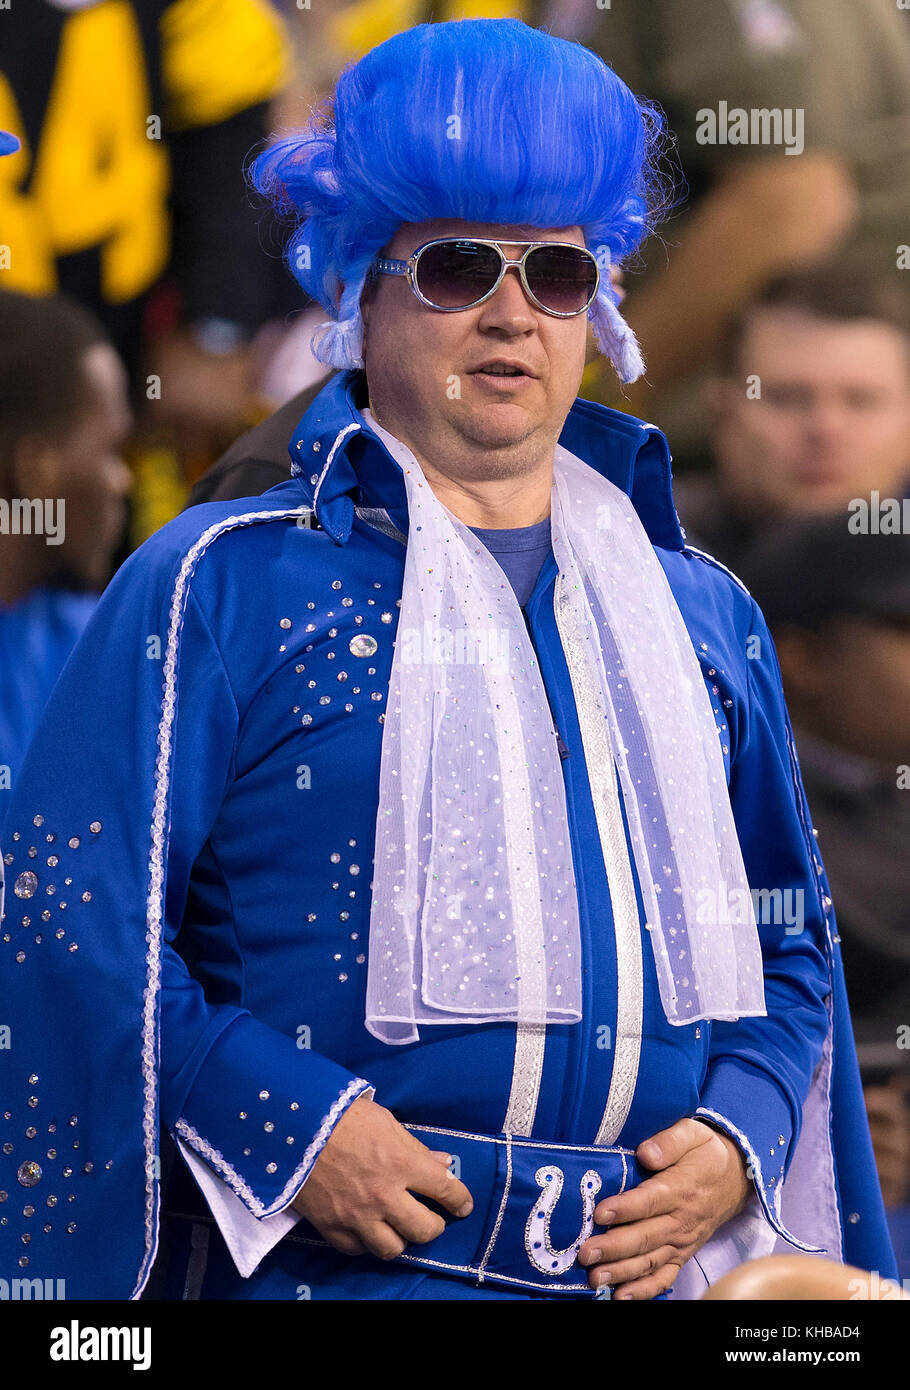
(373, 868)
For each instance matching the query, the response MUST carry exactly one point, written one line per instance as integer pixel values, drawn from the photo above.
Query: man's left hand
(701, 1182)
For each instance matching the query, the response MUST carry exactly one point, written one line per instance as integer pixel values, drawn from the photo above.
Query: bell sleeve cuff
(248, 1238)
(745, 1104)
(260, 1111)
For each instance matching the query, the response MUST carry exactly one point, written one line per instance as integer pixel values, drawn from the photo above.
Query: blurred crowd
(154, 352)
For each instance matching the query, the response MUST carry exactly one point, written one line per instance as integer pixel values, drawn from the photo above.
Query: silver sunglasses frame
(384, 266)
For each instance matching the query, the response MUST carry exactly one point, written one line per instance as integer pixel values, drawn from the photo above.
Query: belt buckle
(547, 1211)
(534, 1207)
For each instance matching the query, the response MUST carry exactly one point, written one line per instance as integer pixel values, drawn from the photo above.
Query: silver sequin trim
(595, 737)
(158, 830)
(220, 1164)
(239, 1184)
(348, 429)
(545, 1144)
(499, 1215)
(464, 1269)
(712, 559)
(758, 1182)
(527, 1070)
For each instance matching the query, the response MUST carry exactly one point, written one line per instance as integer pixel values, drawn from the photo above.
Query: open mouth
(503, 371)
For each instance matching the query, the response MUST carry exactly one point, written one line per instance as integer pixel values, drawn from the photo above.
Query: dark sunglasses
(459, 273)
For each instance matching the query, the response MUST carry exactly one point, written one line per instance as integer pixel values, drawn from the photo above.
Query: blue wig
(485, 120)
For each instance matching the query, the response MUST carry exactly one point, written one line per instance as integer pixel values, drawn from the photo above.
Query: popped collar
(334, 453)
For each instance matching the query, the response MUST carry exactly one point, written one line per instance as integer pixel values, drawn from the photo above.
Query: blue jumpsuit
(187, 856)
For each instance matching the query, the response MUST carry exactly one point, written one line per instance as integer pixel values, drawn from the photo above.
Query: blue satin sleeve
(244, 1096)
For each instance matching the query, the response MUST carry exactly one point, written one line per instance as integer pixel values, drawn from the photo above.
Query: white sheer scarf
(474, 914)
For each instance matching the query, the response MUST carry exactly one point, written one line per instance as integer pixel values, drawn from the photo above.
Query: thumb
(668, 1146)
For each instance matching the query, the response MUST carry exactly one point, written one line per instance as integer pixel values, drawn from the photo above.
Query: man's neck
(496, 505)
(490, 503)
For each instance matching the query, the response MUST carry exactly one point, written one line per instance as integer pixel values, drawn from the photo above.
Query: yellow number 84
(98, 180)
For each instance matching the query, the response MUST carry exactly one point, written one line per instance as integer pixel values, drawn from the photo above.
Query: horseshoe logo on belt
(541, 1253)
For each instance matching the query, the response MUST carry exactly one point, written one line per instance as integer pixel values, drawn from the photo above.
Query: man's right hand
(358, 1194)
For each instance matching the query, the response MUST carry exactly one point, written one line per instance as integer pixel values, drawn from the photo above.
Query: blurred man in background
(838, 605)
(828, 165)
(63, 490)
(811, 409)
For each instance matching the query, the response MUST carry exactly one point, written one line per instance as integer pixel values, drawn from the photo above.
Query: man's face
(424, 368)
(97, 480)
(87, 470)
(833, 420)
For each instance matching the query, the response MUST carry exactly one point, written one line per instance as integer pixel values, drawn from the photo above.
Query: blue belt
(533, 1207)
